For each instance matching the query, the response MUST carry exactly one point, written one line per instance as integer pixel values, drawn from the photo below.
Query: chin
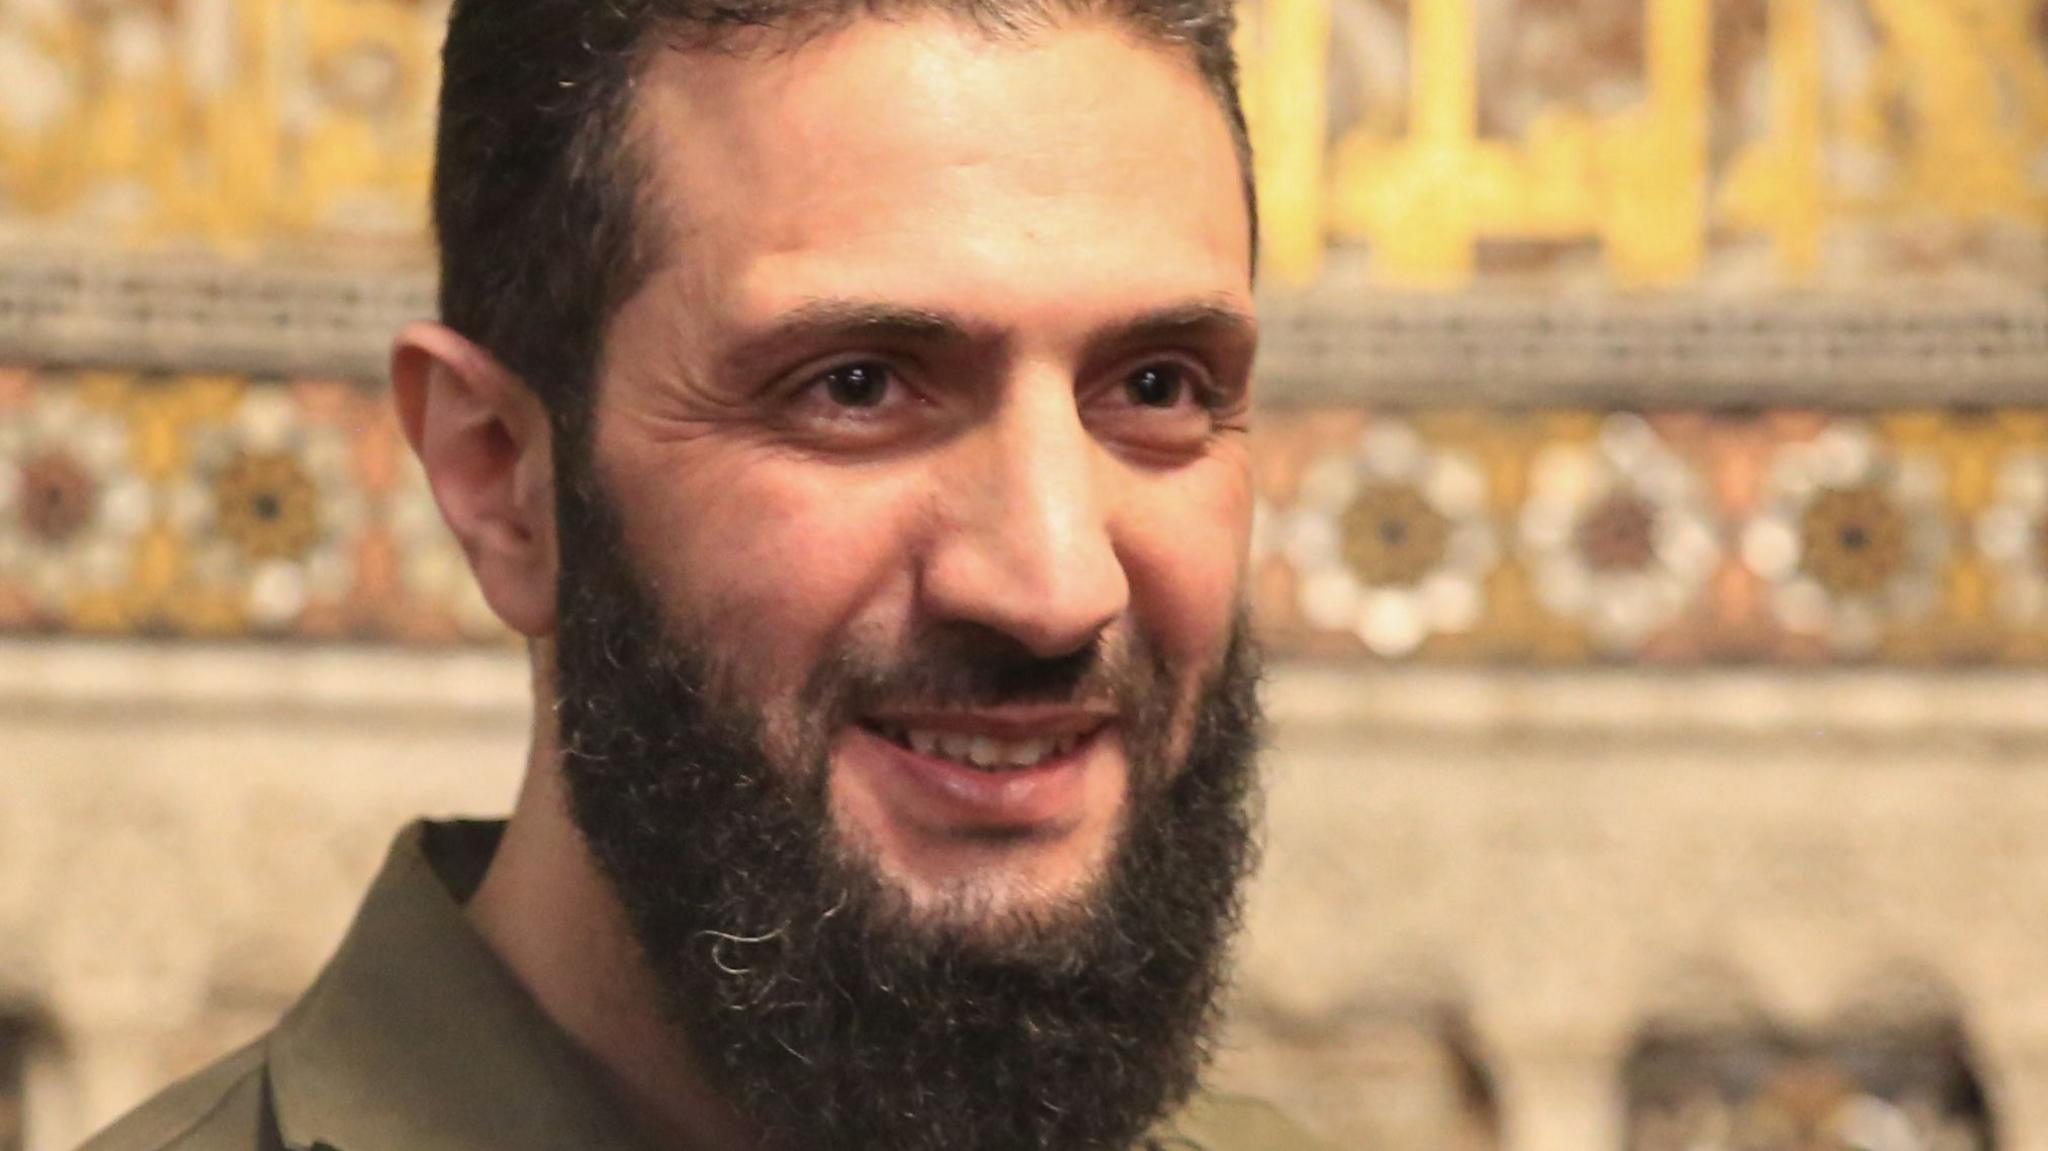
(993, 893)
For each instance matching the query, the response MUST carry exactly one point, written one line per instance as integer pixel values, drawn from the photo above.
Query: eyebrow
(837, 321)
(1198, 321)
(832, 320)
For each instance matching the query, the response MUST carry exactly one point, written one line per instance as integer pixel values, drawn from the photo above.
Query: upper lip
(999, 722)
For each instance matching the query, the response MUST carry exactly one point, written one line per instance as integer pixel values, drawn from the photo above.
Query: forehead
(921, 160)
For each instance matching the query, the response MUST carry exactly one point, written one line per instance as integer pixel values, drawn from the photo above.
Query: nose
(1024, 542)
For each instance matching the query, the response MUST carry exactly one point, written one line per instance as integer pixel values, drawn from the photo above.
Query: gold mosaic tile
(219, 507)
(227, 506)
(1655, 537)
(1721, 152)
(233, 125)
(1626, 143)
(1651, 143)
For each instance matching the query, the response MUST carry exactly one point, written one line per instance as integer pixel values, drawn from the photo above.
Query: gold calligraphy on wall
(224, 121)
(1937, 112)
(244, 123)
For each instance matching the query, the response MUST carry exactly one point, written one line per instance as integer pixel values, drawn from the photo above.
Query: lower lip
(941, 794)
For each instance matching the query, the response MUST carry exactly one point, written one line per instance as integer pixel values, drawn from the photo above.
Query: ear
(484, 439)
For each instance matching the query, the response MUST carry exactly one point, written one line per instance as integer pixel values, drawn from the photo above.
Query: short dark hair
(536, 185)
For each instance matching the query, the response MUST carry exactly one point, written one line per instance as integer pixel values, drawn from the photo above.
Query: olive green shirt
(417, 1038)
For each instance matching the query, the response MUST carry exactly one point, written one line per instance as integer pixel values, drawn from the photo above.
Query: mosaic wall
(229, 123)
(1641, 142)
(1664, 538)
(218, 506)
(1653, 143)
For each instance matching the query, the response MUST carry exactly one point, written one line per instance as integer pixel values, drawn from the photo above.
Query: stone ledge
(1790, 703)
(456, 686)
(482, 686)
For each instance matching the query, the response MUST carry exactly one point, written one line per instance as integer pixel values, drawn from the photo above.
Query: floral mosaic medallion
(1617, 533)
(72, 505)
(2012, 533)
(271, 510)
(1391, 541)
(213, 505)
(1852, 538)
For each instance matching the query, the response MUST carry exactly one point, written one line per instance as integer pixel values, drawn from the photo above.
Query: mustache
(956, 667)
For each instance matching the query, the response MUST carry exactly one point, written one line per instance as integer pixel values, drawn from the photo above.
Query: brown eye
(1156, 386)
(863, 385)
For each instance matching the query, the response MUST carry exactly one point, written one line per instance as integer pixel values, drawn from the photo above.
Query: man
(847, 401)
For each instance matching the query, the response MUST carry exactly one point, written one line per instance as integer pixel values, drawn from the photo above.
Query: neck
(551, 916)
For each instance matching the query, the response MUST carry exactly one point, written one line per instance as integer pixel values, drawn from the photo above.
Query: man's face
(904, 696)
(950, 357)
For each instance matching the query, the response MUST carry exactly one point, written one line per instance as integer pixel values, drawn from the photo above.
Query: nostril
(1048, 611)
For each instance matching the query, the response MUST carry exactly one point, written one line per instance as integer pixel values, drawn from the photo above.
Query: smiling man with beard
(847, 400)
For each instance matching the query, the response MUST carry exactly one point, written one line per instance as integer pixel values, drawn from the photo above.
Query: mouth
(981, 751)
(958, 773)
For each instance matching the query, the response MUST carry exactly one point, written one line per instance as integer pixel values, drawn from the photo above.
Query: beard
(825, 1007)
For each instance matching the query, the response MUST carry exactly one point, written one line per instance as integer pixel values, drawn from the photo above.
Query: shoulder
(223, 1108)
(1215, 1122)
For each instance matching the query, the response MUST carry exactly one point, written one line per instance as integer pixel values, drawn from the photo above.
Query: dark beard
(828, 1011)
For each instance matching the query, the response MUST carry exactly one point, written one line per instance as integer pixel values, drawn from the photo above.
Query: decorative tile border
(224, 506)
(217, 506)
(1671, 538)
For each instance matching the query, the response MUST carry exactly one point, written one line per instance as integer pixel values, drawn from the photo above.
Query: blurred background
(1652, 541)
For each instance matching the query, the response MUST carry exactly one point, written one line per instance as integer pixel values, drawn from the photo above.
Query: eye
(1157, 386)
(860, 385)
(857, 405)
(1171, 407)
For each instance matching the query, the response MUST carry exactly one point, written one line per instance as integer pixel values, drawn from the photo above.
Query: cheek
(772, 564)
(1184, 541)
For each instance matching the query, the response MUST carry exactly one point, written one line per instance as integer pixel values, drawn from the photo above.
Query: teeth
(985, 751)
(1023, 753)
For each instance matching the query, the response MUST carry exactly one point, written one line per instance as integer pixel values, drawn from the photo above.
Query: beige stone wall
(1514, 869)
(184, 833)
(1563, 857)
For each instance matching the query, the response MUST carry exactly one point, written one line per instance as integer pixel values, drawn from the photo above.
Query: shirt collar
(416, 1035)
